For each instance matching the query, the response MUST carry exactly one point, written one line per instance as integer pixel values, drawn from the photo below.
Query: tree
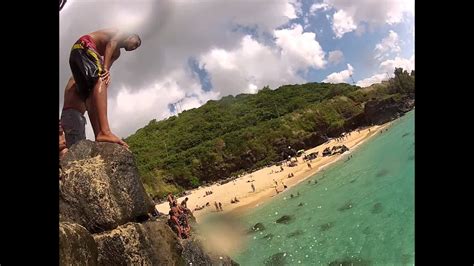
(404, 82)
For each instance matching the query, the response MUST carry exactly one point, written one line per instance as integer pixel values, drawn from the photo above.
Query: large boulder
(104, 215)
(101, 188)
(385, 110)
(315, 139)
(150, 243)
(355, 121)
(76, 245)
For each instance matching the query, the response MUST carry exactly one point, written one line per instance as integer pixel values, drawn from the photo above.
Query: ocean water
(360, 211)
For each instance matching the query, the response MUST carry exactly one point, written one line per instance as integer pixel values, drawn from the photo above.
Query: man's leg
(99, 103)
(92, 116)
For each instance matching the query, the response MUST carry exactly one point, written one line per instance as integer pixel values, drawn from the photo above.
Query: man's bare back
(102, 38)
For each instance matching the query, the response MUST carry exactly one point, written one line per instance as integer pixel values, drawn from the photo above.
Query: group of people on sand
(202, 207)
(343, 137)
(276, 186)
(218, 206)
(178, 219)
(208, 193)
(90, 60)
(276, 171)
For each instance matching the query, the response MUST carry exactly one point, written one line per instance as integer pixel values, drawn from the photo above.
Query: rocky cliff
(105, 214)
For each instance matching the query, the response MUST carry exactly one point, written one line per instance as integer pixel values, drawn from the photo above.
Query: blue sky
(194, 51)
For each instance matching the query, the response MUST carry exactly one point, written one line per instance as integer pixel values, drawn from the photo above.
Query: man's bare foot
(110, 137)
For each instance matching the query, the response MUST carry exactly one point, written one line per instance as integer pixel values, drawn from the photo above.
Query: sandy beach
(264, 179)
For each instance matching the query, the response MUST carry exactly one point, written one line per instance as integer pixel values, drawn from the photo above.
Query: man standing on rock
(90, 61)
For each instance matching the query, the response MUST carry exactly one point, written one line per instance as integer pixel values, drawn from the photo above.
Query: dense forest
(239, 134)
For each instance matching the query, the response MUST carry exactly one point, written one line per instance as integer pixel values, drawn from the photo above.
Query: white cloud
(249, 67)
(290, 11)
(390, 65)
(252, 65)
(377, 78)
(374, 13)
(387, 68)
(253, 88)
(340, 77)
(396, 12)
(317, 6)
(297, 7)
(342, 23)
(388, 45)
(299, 48)
(335, 57)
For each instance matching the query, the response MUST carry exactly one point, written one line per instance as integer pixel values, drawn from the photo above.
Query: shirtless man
(90, 61)
(72, 115)
(174, 223)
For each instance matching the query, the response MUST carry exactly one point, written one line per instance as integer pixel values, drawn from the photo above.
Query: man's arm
(111, 48)
(112, 52)
(115, 56)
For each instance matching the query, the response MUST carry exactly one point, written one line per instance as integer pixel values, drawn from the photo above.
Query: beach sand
(264, 179)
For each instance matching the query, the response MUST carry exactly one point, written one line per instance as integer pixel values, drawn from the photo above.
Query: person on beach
(184, 203)
(184, 206)
(253, 187)
(170, 199)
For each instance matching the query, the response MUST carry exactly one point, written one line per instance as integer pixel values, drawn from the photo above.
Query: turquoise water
(360, 211)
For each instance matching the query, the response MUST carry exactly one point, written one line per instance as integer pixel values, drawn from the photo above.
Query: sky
(198, 50)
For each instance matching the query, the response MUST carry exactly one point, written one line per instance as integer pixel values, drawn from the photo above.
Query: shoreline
(264, 179)
(242, 210)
